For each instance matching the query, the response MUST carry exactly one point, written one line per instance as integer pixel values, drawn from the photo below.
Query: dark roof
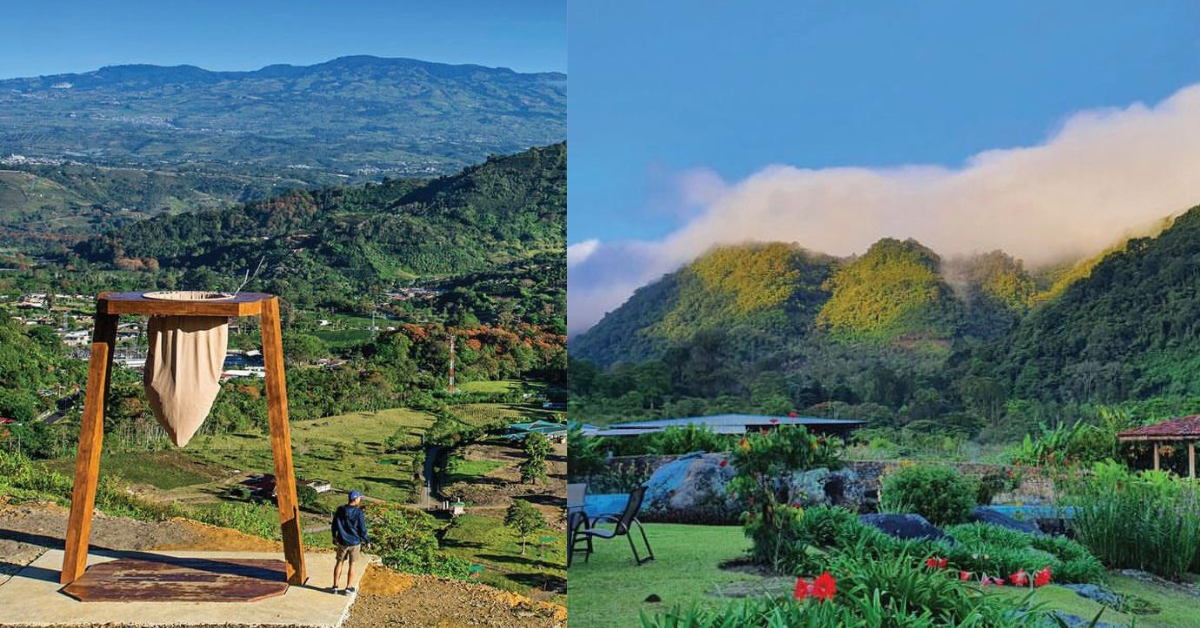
(1187, 428)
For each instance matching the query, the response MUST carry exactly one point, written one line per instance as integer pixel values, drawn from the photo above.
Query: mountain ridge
(275, 70)
(349, 115)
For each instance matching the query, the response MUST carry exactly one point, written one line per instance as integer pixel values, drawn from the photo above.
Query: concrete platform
(33, 598)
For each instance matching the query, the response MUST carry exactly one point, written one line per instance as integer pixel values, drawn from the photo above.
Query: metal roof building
(730, 424)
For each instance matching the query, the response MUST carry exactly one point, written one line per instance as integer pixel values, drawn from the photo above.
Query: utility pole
(451, 388)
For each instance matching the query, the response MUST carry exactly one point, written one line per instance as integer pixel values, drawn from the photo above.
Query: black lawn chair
(624, 525)
(577, 522)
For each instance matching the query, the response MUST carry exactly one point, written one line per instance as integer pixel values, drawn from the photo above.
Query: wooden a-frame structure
(109, 307)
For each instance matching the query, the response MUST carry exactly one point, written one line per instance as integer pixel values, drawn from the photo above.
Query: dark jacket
(350, 526)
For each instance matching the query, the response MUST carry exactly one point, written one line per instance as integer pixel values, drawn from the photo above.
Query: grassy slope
(608, 591)
(487, 541)
(344, 450)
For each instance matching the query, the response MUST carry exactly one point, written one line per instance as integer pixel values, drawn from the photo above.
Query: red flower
(935, 563)
(964, 575)
(724, 463)
(824, 587)
(793, 414)
(1019, 579)
(774, 421)
(803, 589)
(795, 505)
(1042, 578)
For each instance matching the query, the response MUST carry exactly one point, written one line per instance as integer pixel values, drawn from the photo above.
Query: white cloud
(1102, 175)
(580, 251)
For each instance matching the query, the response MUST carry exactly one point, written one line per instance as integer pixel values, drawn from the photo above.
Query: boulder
(1095, 593)
(830, 488)
(991, 516)
(906, 527)
(691, 488)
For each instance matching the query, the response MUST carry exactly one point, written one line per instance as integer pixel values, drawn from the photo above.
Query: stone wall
(692, 488)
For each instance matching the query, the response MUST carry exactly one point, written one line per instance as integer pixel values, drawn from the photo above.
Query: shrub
(823, 533)
(406, 540)
(249, 518)
(995, 551)
(993, 483)
(308, 497)
(940, 494)
(1148, 520)
(685, 440)
(584, 457)
(871, 594)
(762, 461)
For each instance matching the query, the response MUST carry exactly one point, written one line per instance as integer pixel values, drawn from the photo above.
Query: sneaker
(351, 590)
(342, 592)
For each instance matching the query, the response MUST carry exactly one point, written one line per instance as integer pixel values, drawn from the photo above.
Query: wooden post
(1156, 464)
(87, 458)
(281, 442)
(1192, 459)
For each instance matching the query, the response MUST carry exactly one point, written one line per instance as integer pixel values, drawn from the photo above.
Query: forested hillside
(894, 291)
(339, 247)
(1131, 329)
(970, 347)
(47, 204)
(750, 290)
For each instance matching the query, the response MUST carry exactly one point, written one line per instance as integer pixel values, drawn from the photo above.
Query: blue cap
(354, 495)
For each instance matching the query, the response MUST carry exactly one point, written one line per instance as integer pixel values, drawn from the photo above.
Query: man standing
(349, 535)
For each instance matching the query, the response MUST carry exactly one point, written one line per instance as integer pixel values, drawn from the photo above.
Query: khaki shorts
(353, 552)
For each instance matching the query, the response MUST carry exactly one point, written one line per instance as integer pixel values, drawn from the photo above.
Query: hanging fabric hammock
(184, 364)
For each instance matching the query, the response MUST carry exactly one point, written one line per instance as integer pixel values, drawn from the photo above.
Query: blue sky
(51, 37)
(661, 87)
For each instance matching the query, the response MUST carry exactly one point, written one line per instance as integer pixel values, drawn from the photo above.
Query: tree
(525, 519)
(533, 468)
(308, 497)
(303, 348)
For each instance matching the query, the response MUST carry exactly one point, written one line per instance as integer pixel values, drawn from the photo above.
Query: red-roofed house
(1185, 430)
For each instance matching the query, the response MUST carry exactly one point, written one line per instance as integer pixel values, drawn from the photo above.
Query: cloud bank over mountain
(1104, 174)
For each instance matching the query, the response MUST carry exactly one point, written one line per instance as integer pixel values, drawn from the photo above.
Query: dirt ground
(494, 492)
(387, 598)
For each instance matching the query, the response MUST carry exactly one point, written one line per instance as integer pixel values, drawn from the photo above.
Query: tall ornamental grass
(1148, 520)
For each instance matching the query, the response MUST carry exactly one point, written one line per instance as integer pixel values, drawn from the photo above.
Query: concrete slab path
(32, 598)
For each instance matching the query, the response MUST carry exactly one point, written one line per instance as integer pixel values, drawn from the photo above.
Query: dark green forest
(488, 239)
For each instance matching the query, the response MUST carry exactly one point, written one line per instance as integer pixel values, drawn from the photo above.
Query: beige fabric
(183, 370)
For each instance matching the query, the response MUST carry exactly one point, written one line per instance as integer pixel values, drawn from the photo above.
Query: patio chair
(624, 525)
(577, 522)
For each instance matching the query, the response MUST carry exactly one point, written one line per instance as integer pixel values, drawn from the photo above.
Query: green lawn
(499, 386)
(344, 450)
(470, 470)
(1179, 610)
(487, 541)
(608, 591)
